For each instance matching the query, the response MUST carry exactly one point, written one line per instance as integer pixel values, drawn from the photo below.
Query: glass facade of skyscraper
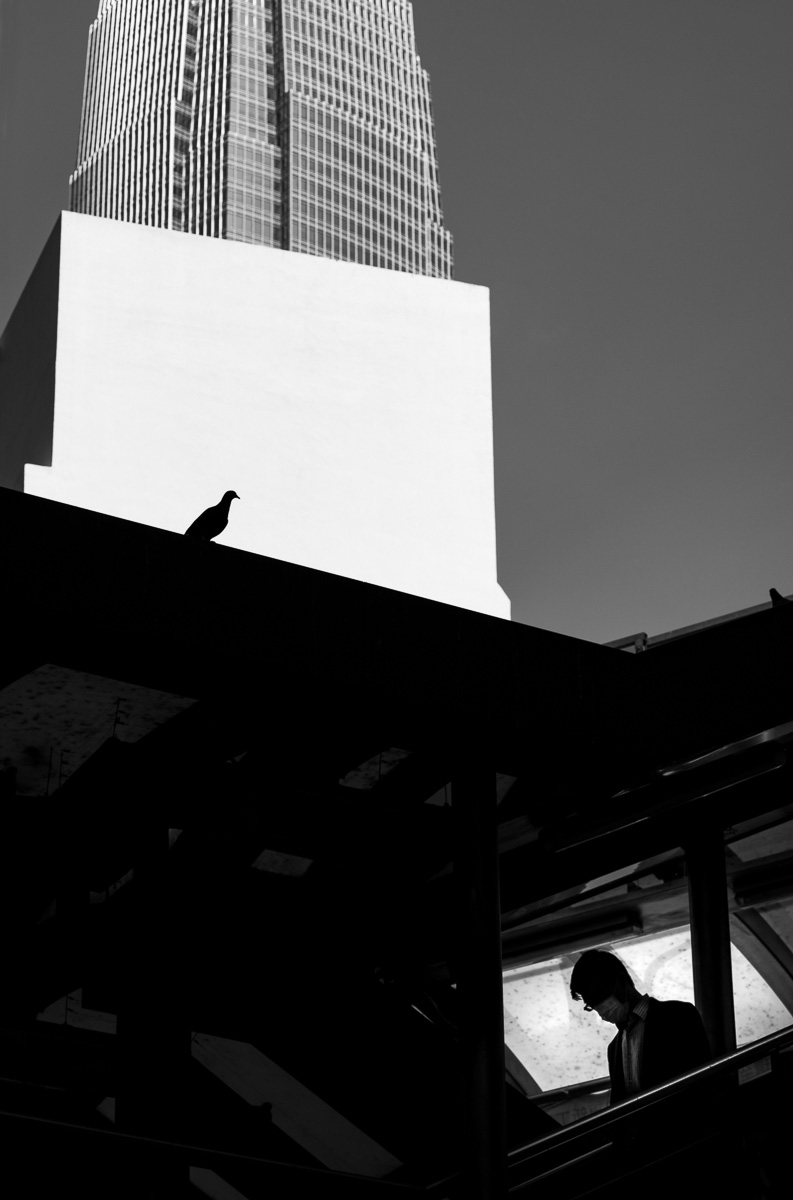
(304, 124)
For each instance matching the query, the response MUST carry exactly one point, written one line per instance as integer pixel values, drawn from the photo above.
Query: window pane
(760, 870)
(559, 1043)
(758, 1010)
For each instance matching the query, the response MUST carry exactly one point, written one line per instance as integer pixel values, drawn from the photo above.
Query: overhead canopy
(267, 755)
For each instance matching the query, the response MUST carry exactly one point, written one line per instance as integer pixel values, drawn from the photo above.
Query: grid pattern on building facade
(305, 124)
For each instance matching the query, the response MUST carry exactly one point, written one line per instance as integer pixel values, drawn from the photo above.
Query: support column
(154, 1039)
(479, 986)
(710, 937)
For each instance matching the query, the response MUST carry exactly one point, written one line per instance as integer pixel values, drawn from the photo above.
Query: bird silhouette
(212, 520)
(776, 599)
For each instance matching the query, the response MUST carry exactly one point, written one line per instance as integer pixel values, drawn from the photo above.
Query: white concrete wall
(350, 407)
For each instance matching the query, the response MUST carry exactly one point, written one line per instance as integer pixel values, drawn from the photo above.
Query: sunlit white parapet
(145, 372)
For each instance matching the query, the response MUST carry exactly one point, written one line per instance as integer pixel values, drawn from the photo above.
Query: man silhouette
(655, 1040)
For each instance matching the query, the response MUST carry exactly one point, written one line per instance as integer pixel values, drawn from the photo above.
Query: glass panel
(547, 1031)
(556, 1040)
(561, 1045)
(768, 841)
(761, 927)
(779, 916)
(758, 1010)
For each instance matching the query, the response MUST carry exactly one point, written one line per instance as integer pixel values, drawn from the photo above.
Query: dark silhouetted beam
(479, 981)
(710, 936)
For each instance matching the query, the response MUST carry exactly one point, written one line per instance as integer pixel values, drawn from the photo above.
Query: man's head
(604, 985)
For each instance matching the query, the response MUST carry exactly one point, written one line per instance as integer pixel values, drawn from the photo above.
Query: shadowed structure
(257, 900)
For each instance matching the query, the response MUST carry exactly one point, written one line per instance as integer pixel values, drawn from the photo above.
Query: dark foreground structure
(271, 836)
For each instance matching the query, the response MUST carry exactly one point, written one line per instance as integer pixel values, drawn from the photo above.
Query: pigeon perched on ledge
(776, 598)
(212, 520)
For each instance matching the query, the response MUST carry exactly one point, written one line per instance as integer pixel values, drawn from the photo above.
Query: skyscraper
(304, 124)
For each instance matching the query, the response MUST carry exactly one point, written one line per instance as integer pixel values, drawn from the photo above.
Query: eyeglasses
(597, 1005)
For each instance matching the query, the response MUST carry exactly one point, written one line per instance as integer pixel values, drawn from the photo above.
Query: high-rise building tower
(304, 124)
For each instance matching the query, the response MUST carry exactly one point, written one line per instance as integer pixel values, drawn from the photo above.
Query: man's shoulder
(672, 1010)
(675, 1026)
(671, 1005)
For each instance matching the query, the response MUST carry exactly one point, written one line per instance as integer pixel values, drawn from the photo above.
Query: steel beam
(710, 936)
(479, 982)
(153, 1034)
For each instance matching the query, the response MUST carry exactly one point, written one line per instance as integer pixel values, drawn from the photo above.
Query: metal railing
(556, 1151)
(546, 1158)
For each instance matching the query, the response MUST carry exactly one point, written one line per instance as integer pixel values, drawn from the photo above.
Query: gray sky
(619, 174)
